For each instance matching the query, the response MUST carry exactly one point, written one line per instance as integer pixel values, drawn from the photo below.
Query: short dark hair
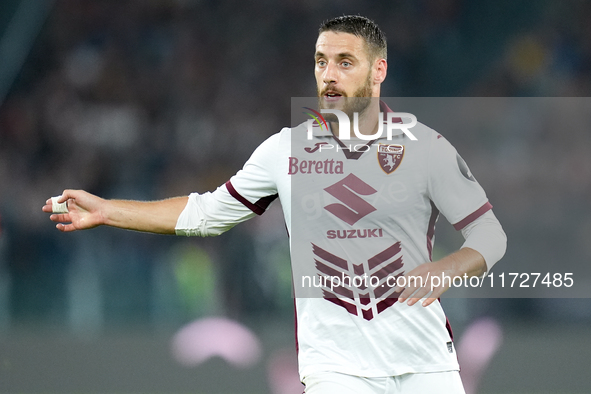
(360, 26)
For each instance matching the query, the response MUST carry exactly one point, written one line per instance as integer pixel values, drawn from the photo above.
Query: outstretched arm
(88, 211)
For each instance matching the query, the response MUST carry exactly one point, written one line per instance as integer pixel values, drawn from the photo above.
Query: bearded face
(333, 98)
(345, 72)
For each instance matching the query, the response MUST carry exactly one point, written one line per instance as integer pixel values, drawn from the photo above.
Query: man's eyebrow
(340, 55)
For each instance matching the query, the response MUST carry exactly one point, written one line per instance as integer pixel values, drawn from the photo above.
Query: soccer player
(352, 214)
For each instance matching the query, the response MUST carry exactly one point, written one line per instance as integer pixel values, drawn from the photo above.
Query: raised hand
(84, 211)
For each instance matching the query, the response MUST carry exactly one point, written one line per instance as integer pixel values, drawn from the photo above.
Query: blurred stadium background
(146, 99)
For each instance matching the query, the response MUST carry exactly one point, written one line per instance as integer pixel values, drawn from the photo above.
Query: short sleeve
(452, 187)
(247, 193)
(211, 214)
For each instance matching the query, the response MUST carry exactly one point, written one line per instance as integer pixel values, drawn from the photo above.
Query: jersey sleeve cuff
(486, 236)
(211, 214)
(191, 219)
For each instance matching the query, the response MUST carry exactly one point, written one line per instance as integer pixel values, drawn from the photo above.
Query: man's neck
(368, 120)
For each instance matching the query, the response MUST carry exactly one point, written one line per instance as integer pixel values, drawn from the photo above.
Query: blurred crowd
(146, 99)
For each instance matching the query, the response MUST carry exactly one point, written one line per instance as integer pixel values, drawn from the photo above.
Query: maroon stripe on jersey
(385, 109)
(344, 292)
(367, 314)
(447, 324)
(331, 258)
(388, 269)
(325, 269)
(295, 324)
(384, 255)
(258, 207)
(380, 291)
(358, 269)
(352, 309)
(386, 303)
(448, 327)
(473, 216)
(431, 229)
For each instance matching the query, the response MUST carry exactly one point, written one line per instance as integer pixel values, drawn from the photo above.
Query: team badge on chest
(390, 156)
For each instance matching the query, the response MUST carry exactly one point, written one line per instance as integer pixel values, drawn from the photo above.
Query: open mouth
(332, 96)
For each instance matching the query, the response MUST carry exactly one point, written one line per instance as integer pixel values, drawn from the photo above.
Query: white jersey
(368, 211)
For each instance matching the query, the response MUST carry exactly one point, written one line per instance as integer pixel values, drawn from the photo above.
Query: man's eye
(346, 64)
(321, 63)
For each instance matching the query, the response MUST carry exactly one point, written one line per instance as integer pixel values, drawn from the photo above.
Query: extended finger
(408, 292)
(418, 295)
(65, 227)
(437, 292)
(60, 217)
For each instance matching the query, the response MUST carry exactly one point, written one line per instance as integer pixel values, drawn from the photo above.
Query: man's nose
(330, 74)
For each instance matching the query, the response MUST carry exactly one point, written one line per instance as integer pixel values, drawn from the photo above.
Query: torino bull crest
(390, 156)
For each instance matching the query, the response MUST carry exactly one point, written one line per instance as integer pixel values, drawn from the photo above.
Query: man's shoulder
(425, 133)
(429, 140)
(286, 135)
(278, 144)
(295, 131)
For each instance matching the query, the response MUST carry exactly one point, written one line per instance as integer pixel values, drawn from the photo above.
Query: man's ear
(380, 69)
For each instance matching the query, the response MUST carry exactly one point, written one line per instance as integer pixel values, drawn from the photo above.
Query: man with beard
(362, 225)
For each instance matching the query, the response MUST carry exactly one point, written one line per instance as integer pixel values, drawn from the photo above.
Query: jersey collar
(384, 109)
